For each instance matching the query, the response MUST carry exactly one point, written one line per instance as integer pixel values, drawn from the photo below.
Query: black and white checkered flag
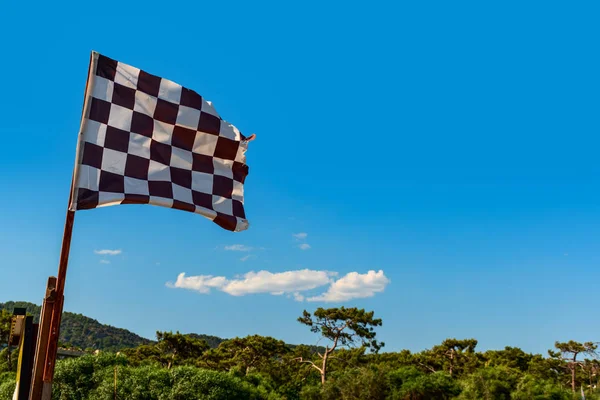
(147, 140)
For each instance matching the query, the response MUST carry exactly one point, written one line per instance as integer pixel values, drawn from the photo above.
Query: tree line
(350, 365)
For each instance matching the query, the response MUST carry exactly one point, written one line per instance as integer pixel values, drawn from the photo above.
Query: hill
(86, 333)
(77, 330)
(213, 341)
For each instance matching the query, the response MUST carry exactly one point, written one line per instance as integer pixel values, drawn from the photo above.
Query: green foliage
(178, 349)
(511, 357)
(409, 383)
(171, 349)
(144, 354)
(7, 390)
(345, 326)
(133, 383)
(356, 384)
(8, 359)
(76, 378)
(7, 385)
(30, 308)
(194, 383)
(572, 349)
(249, 353)
(212, 341)
(490, 383)
(93, 378)
(184, 366)
(5, 319)
(568, 352)
(530, 388)
(454, 356)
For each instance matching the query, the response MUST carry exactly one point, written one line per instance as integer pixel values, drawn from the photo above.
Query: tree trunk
(573, 367)
(172, 361)
(329, 351)
(324, 369)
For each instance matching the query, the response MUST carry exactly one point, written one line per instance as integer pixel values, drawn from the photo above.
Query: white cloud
(246, 258)
(200, 283)
(290, 283)
(284, 282)
(301, 237)
(238, 247)
(354, 286)
(108, 252)
(104, 262)
(277, 283)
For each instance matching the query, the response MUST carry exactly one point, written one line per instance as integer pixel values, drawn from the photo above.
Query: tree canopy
(351, 366)
(343, 327)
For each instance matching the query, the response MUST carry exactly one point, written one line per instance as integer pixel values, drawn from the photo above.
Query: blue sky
(453, 146)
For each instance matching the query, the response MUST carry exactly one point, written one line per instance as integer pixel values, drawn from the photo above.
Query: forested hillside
(79, 331)
(212, 341)
(86, 333)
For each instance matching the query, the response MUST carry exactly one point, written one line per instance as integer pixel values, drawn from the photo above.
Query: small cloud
(298, 297)
(354, 286)
(300, 236)
(108, 252)
(304, 246)
(247, 257)
(104, 262)
(238, 247)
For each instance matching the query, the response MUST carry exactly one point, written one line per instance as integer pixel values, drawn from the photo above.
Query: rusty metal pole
(42, 339)
(54, 332)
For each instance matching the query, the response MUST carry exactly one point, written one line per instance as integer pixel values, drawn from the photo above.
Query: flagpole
(42, 340)
(63, 263)
(58, 304)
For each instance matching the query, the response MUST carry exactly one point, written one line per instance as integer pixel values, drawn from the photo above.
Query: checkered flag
(147, 140)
